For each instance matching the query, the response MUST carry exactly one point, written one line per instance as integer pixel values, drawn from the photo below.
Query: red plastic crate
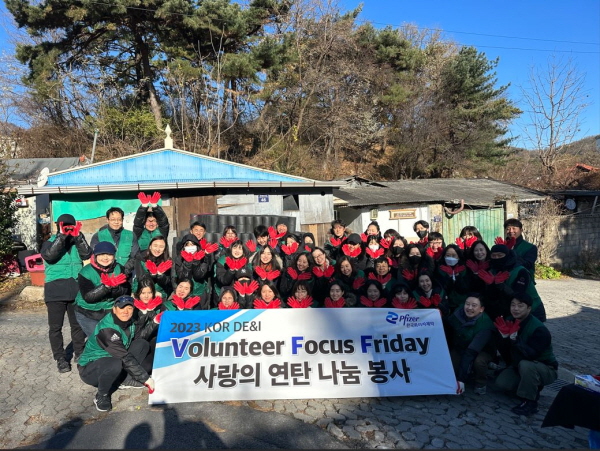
(34, 263)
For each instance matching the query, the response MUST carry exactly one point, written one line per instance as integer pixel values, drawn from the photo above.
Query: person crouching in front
(112, 357)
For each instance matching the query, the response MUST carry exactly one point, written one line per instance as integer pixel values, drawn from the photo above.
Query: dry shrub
(542, 229)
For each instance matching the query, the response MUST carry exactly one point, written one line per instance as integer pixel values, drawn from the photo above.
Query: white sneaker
(480, 390)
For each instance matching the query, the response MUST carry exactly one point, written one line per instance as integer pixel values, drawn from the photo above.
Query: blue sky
(522, 33)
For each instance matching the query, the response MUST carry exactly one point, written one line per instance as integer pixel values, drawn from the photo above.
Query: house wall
(26, 226)
(314, 214)
(357, 220)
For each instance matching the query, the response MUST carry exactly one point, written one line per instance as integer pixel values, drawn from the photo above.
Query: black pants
(149, 360)
(107, 373)
(56, 318)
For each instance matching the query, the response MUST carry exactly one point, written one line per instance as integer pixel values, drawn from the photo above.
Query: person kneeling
(112, 357)
(526, 346)
(470, 342)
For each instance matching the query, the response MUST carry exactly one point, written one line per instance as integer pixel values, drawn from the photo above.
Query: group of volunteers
(492, 314)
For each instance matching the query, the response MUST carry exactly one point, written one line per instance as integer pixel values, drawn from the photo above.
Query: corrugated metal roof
(480, 192)
(165, 166)
(34, 190)
(28, 169)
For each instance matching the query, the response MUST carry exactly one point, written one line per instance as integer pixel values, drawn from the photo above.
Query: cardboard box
(587, 381)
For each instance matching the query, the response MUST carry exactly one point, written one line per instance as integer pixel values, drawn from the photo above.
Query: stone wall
(578, 239)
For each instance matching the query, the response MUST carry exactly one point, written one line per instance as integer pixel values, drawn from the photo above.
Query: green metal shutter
(489, 222)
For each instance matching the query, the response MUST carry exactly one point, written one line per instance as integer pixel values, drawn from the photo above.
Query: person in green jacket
(526, 252)
(100, 283)
(63, 256)
(150, 220)
(470, 341)
(525, 344)
(124, 240)
(113, 355)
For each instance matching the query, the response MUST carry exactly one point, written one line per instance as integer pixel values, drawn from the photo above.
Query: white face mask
(373, 247)
(451, 261)
(190, 249)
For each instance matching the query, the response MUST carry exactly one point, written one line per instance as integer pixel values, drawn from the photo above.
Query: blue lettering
(296, 344)
(365, 342)
(178, 351)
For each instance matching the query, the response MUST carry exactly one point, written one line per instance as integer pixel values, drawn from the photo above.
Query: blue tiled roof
(166, 166)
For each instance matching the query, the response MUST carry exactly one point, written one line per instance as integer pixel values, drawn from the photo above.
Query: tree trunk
(146, 83)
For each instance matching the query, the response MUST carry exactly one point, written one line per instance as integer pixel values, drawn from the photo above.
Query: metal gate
(489, 222)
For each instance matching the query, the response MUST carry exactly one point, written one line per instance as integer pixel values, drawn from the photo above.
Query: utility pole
(94, 145)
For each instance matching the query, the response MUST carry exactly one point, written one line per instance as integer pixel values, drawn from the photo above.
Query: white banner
(219, 355)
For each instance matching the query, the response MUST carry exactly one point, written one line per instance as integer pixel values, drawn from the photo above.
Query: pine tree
(8, 216)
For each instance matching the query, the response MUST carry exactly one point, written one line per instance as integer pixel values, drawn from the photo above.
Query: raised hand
(424, 301)
(106, 280)
(329, 271)
(251, 245)
(385, 243)
(410, 304)
(144, 199)
(292, 273)
(375, 254)
(153, 200)
(252, 287)
(408, 274)
(76, 229)
(211, 247)
(304, 276)
(165, 266)
(179, 302)
(119, 279)
(351, 252)
(260, 272)
(272, 275)
(447, 269)
(502, 276)
(239, 287)
(187, 256)
(226, 242)
(289, 250)
(337, 241)
(358, 283)
(199, 255)
(151, 267)
(486, 277)
(191, 302)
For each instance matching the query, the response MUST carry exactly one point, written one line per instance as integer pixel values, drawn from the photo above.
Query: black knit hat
(104, 247)
(66, 219)
(354, 238)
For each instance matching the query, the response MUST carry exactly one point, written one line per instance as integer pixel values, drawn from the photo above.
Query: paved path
(41, 408)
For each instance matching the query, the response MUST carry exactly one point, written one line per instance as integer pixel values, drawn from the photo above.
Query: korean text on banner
(219, 355)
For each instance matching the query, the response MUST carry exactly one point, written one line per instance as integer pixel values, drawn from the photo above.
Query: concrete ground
(40, 408)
